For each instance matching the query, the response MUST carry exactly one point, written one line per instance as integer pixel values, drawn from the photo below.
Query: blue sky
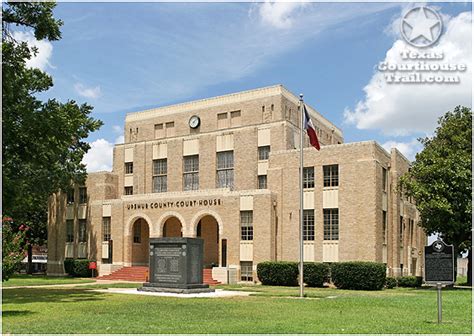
(124, 57)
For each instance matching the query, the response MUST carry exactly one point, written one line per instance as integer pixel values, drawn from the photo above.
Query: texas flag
(310, 129)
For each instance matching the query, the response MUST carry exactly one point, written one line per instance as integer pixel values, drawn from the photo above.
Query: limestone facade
(233, 181)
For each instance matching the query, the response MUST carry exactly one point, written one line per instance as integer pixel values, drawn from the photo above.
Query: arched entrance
(172, 228)
(140, 242)
(208, 230)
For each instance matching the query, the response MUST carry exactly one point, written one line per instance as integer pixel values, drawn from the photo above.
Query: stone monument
(176, 265)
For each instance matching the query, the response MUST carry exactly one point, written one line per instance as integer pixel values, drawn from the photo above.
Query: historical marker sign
(439, 263)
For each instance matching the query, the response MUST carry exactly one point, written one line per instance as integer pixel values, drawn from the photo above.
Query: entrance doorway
(208, 230)
(172, 228)
(140, 242)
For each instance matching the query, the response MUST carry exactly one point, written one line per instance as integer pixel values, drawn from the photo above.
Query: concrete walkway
(219, 293)
(96, 282)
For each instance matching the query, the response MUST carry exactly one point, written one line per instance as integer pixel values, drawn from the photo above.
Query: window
(246, 271)
(160, 181)
(401, 229)
(69, 231)
(331, 175)
(191, 172)
(70, 196)
(128, 191)
(82, 231)
(308, 224)
(82, 195)
(262, 181)
(105, 229)
(331, 224)
(263, 152)
(235, 119)
(137, 232)
(222, 120)
(170, 129)
(128, 167)
(308, 177)
(384, 179)
(159, 131)
(384, 227)
(225, 169)
(246, 225)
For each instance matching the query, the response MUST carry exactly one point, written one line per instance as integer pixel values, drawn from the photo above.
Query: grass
(113, 285)
(461, 280)
(38, 280)
(270, 310)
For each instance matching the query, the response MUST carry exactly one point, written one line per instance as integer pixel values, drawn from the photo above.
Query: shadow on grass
(9, 313)
(56, 295)
(447, 288)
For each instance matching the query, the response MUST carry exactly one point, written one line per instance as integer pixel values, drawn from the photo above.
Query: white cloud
(119, 130)
(99, 156)
(88, 92)
(279, 14)
(44, 50)
(404, 109)
(120, 139)
(408, 149)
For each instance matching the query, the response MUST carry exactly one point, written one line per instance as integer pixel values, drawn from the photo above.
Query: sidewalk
(96, 282)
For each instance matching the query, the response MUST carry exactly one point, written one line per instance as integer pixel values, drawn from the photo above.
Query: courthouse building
(225, 169)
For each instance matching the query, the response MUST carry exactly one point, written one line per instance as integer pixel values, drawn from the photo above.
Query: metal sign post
(439, 268)
(440, 309)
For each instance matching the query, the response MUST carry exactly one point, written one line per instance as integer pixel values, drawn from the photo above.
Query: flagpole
(301, 196)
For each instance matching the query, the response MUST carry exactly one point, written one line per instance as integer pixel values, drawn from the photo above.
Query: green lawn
(461, 280)
(37, 280)
(271, 310)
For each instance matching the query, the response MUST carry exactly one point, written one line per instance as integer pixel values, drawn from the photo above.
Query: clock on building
(194, 121)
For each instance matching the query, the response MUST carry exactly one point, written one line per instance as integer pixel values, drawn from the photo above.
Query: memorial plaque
(439, 263)
(176, 266)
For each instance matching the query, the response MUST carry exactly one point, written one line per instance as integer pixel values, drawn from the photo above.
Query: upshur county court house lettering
(226, 169)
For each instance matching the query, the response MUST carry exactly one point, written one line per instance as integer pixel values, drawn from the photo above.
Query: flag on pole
(310, 129)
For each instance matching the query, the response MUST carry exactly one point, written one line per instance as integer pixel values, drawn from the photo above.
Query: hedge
(316, 274)
(78, 267)
(390, 282)
(278, 273)
(409, 281)
(69, 266)
(361, 275)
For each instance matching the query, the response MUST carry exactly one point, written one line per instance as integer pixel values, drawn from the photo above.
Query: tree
(43, 142)
(440, 181)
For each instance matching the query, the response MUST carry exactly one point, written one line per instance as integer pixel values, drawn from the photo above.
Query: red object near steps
(207, 277)
(140, 274)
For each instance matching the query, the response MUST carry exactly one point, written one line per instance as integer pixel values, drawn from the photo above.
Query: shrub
(278, 273)
(69, 266)
(13, 245)
(358, 275)
(315, 274)
(78, 267)
(390, 282)
(409, 281)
